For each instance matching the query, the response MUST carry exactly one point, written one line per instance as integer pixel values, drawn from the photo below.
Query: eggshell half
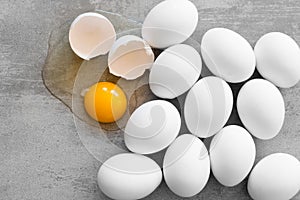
(175, 71)
(275, 177)
(278, 59)
(152, 127)
(232, 154)
(186, 166)
(170, 23)
(91, 34)
(129, 176)
(208, 106)
(228, 55)
(261, 108)
(129, 57)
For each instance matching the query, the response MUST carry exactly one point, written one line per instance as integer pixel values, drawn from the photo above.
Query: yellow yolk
(105, 102)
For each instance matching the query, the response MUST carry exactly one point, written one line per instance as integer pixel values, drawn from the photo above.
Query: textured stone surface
(41, 155)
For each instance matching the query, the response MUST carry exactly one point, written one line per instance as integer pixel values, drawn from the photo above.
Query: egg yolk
(105, 102)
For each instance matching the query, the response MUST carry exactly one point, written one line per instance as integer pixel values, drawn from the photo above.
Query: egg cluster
(155, 125)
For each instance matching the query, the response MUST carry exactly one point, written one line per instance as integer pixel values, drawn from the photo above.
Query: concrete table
(41, 155)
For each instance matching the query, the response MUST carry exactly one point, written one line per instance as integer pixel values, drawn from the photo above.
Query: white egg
(275, 177)
(129, 57)
(260, 106)
(169, 23)
(91, 34)
(232, 154)
(152, 127)
(228, 55)
(175, 71)
(186, 166)
(129, 176)
(278, 59)
(208, 106)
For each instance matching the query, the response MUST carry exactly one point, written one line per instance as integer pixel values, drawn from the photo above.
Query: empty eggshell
(175, 71)
(278, 59)
(232, 154)
(228, 55)
(169, 23)
(129, 176)
(152, 127)
(275, 177)
(91, 34)
(129, 57)
(260, 106)
(208, 106)
(186, 166)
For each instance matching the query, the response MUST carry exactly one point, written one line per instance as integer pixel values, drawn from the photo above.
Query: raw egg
(105, 102)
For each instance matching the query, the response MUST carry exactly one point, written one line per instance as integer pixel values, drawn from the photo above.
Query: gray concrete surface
(41, 156)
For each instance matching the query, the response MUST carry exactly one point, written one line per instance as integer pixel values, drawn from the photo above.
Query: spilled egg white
(170, 23)
(275, 177)
(129, 176)
(186, 166)
(208, 106)
(152, 127)
(91, 34)
(232, 154)
(175, 71)
(129, 57)
(228, 55)
(278, 59)
(260, 106)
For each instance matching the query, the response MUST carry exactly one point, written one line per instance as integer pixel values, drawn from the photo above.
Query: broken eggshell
(129, 57)
(90, 35)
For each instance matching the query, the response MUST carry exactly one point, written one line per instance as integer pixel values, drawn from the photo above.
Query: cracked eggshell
(232, 154)
(208, 106)
(278, 59)
(275, 177)
(129, 57)
(170, 23)
(228, 55)
(175, 71)
(260, 106)
(186, 166)
(91, 34)
(144, 174)
(152, 127)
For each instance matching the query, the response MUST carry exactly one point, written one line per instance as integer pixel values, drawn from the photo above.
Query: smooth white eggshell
(169, 23)
(152, 127)
(175, 71)
(129, 176)
(275, 177)
(260, 106)
(278, 59)
(129, 57)
(186, 166)
(91, 34)
(208, 106)
(228, 55)
(232, 154)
